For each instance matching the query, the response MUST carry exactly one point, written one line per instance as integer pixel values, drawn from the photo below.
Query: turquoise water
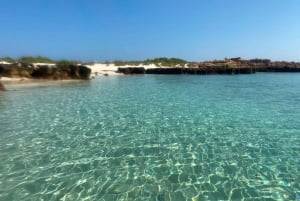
(153, 138)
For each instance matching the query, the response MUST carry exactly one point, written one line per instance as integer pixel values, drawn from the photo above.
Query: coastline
(226, 66)
(102, 69)
(42, 74)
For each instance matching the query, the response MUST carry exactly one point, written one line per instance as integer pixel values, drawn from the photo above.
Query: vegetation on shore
(226, 63)
(162, 61)
(38, 59)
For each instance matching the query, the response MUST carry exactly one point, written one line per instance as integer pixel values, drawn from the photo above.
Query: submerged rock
(2, 88)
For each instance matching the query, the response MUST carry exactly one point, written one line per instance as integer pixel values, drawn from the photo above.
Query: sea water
(153, 137)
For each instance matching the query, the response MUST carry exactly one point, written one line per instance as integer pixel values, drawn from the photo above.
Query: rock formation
(227, 66)
(132, 70)
(57, 72)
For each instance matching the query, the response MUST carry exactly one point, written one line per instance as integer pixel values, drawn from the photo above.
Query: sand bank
(20, 83)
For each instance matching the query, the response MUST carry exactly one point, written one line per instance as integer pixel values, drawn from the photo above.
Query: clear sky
(195, 30)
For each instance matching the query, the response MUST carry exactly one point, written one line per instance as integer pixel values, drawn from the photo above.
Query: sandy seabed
(20, 83)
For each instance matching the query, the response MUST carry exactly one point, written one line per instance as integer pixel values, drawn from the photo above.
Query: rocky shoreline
(227, 66)
(183, 70)
(21, 72)
(69, 71)
(47, 72)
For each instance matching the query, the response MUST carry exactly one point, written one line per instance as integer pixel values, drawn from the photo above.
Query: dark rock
(265, 61)
(235, 59)
(42, 72)
(84, 72)
(244, 70)
(201, 70)
(164, 71)
(15, 70)
(62, 72)
(69, 71)
(284, 69)
(132, 70)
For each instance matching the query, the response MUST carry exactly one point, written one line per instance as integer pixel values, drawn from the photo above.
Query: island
(227, 66)
(43, 68)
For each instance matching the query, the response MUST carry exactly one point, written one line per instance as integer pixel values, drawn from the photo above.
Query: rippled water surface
(153, 138)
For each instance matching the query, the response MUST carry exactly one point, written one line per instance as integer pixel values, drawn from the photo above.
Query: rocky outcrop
(284, 69)
(15, 70)
(227, 66)
(218, 70)
(131, 70)
(181, 70)
(164, 71)
(69, 71)
(84, 72)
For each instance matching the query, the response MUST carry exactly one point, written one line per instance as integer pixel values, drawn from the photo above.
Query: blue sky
(195, 30)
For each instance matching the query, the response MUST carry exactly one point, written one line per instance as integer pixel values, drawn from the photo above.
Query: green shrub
(65, 63)
(38, 59)
(8, 59)
(163, 61)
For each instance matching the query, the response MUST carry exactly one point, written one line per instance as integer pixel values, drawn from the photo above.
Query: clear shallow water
(153, 138)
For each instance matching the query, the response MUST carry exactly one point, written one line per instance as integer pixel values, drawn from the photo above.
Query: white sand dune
(111, 69)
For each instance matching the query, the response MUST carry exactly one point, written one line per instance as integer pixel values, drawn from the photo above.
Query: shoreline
(17, 83)
(44, 74)
(102, 69)
(227, 66)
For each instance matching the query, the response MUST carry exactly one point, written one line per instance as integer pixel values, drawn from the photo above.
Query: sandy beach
(97, 70)
(111, 69)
